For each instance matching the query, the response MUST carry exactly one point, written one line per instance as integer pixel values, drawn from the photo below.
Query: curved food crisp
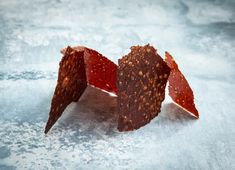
(139, 82)
(179, 89)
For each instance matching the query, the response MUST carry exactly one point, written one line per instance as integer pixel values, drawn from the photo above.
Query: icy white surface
(199, 34)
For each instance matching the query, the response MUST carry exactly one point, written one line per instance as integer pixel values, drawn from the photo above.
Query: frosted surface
(199, 34)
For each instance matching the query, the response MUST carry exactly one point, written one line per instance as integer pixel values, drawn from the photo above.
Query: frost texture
(199, 34)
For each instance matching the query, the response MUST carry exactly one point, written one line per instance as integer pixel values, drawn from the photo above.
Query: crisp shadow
(96, 115)
(96, 112)
(171, 120)
(172, 112)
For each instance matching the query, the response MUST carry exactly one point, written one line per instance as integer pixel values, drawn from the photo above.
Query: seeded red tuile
(179, 89)
(100, 71)
(80, 67)
(139, 82)
(71, 84)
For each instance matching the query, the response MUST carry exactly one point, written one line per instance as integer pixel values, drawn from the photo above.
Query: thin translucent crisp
(138, 81)
(179, 88)
(100, 71)
(80, 67)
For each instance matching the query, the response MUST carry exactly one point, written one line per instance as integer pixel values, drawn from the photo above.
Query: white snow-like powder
(200, 36)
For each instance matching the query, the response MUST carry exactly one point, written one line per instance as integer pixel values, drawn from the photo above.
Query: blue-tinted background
(199, 34)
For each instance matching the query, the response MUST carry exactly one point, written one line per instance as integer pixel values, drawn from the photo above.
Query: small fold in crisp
(80, 67)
